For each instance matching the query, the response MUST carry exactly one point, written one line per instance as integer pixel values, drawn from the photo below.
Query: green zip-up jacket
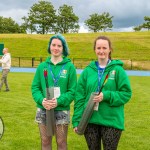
(67, 81)
(116, 93)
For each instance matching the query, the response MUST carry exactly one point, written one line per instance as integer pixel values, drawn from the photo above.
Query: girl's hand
(49, 104)
(75, 129)
(98, 98)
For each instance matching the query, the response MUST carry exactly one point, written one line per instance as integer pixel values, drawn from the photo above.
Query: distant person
(107, 121)
(6, 64)
(61, 76)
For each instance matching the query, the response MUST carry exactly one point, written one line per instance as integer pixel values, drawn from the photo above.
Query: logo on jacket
(112, 75)
(63, 74)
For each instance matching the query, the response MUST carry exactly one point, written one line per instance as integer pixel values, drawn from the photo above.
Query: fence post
(19, 61)
(131, 64)
(73, 60)
(40, 59)
(32, 61)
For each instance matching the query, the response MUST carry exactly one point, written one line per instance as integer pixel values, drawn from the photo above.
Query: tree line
(145, 25)
(43, 18)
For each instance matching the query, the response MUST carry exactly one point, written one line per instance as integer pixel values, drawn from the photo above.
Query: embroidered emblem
(63, 74)
(112, 74)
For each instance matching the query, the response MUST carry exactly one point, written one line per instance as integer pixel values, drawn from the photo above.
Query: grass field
(131, 47)
(17, 110)
(126, 45)
(1, 128)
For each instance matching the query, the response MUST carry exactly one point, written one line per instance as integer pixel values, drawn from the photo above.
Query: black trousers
(97, 135)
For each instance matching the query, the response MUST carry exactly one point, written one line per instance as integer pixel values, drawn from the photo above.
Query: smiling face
(102, 49)
(56, 48)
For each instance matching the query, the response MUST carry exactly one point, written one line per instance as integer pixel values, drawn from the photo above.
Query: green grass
(17, 110)
(131, 47)
(1, 128)
(126, 45)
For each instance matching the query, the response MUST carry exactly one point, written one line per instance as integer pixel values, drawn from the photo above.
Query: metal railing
(79, 63)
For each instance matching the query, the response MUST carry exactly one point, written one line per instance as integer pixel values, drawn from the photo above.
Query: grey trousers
(4, 78)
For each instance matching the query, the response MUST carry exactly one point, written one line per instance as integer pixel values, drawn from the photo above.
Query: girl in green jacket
(61, 77)
(107, 120)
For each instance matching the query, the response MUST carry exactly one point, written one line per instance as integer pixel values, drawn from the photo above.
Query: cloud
(126, 13)
(83, 29)
(16, 4)
(15, 14)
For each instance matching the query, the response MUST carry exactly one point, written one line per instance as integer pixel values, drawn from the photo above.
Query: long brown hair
(104, 38)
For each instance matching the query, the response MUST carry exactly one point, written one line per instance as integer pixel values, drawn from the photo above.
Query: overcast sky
(127, 13)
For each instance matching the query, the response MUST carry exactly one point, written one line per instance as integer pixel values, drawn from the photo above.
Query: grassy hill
(133, 46)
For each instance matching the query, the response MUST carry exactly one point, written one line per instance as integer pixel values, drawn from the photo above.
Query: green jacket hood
(114, 85)
(65, 72)
(65, 60)
(111, 64)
